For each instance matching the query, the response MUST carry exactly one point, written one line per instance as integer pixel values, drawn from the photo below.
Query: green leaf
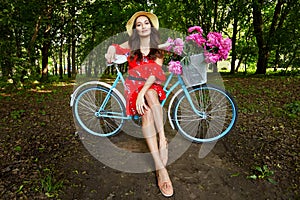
(18, 148)
(269, 173)
(252, 177)
(258, 169)
(272, 181)
(20, 189)
(235, 175)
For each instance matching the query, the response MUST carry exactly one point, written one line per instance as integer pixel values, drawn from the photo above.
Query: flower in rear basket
(216, 47)
(175, 67)
(225, 48)
(213, 39)
(175, 45)
(178, 46)
(171, 42)
(195, 28)
(198, 38)
(211, 57)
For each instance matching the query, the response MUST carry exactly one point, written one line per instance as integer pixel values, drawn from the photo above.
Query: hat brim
(152, 17)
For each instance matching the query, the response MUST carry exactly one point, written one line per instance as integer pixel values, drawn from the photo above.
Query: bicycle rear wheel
(105, 122)
(215, 116)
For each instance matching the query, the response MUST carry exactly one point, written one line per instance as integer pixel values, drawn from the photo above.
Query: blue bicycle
(200, 112)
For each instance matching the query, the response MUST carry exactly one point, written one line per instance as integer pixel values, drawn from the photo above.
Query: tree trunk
(69, 58)
(239, 63)
(33, 39)
(6, 67)
(233, 50)
(265, 45)
(89, 67)
(46, 45)
(215, 14)
(73, 14)
(277, 58)
(262, 62)
(37, 64)
(45, 54)
(74, 68)
(261, 65)
(18, 35)
(55, 66)
(215, 67)
(61, 56)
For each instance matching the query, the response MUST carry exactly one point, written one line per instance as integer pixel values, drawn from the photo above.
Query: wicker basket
(195, 73)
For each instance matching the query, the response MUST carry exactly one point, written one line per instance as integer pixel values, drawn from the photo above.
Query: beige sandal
(165, 186)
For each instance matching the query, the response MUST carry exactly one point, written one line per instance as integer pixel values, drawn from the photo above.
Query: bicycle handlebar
(120, 59)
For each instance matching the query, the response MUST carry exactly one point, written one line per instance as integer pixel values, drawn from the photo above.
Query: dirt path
(210, 178)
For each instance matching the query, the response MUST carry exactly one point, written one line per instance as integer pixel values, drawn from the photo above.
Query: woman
(143, 90)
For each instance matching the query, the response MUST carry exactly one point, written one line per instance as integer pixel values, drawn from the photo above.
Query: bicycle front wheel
(209, 113)
(103, 122)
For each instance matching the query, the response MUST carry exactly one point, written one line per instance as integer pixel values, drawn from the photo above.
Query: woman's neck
(144, 42)
(145, 45)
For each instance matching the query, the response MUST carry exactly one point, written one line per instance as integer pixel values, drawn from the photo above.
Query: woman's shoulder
(125, 45)
(159, 61)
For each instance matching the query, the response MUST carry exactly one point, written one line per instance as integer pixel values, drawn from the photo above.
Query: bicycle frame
(119, 77)
(212, 107)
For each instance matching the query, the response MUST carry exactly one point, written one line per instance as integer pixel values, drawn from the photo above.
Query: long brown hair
(134, 44)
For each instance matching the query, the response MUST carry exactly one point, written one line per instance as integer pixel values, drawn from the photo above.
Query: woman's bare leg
(149, 132)
(154, 104)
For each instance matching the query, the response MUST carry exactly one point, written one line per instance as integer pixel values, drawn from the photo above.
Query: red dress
(138, 73)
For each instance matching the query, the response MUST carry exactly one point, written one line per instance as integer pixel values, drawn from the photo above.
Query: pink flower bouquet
(214, 47)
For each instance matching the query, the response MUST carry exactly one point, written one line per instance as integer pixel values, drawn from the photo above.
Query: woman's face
(143, 26)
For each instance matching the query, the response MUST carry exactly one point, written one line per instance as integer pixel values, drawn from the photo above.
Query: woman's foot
(163, 151)
(164, 183)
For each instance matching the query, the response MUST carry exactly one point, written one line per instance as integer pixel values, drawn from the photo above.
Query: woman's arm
(114, 49)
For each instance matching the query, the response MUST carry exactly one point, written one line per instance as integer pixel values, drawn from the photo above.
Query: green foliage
(17, 114)
(18, 148)
(292, 109)
(20, 189)
(50, 27)
(50, 185)
(262, 173)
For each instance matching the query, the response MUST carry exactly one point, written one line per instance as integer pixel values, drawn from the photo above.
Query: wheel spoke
(88, 103)
(214, 117)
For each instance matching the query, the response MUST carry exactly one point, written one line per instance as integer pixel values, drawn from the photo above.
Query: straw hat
(152, 17)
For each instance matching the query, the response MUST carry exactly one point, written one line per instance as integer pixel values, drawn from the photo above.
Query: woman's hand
(110, 56)
(141, 106)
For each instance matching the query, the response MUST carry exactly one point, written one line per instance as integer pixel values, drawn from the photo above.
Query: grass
(262, 173)
(292, 109)
(49, 185)
(17, 114)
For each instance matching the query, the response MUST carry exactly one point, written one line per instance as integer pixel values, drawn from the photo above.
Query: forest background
(44, 45)
(42, 38)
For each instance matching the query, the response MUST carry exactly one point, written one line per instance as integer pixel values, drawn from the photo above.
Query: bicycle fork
(104, 113)
(185, 90)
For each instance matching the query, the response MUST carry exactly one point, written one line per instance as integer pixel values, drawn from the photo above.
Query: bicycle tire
(87, 105)
(216, 114)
